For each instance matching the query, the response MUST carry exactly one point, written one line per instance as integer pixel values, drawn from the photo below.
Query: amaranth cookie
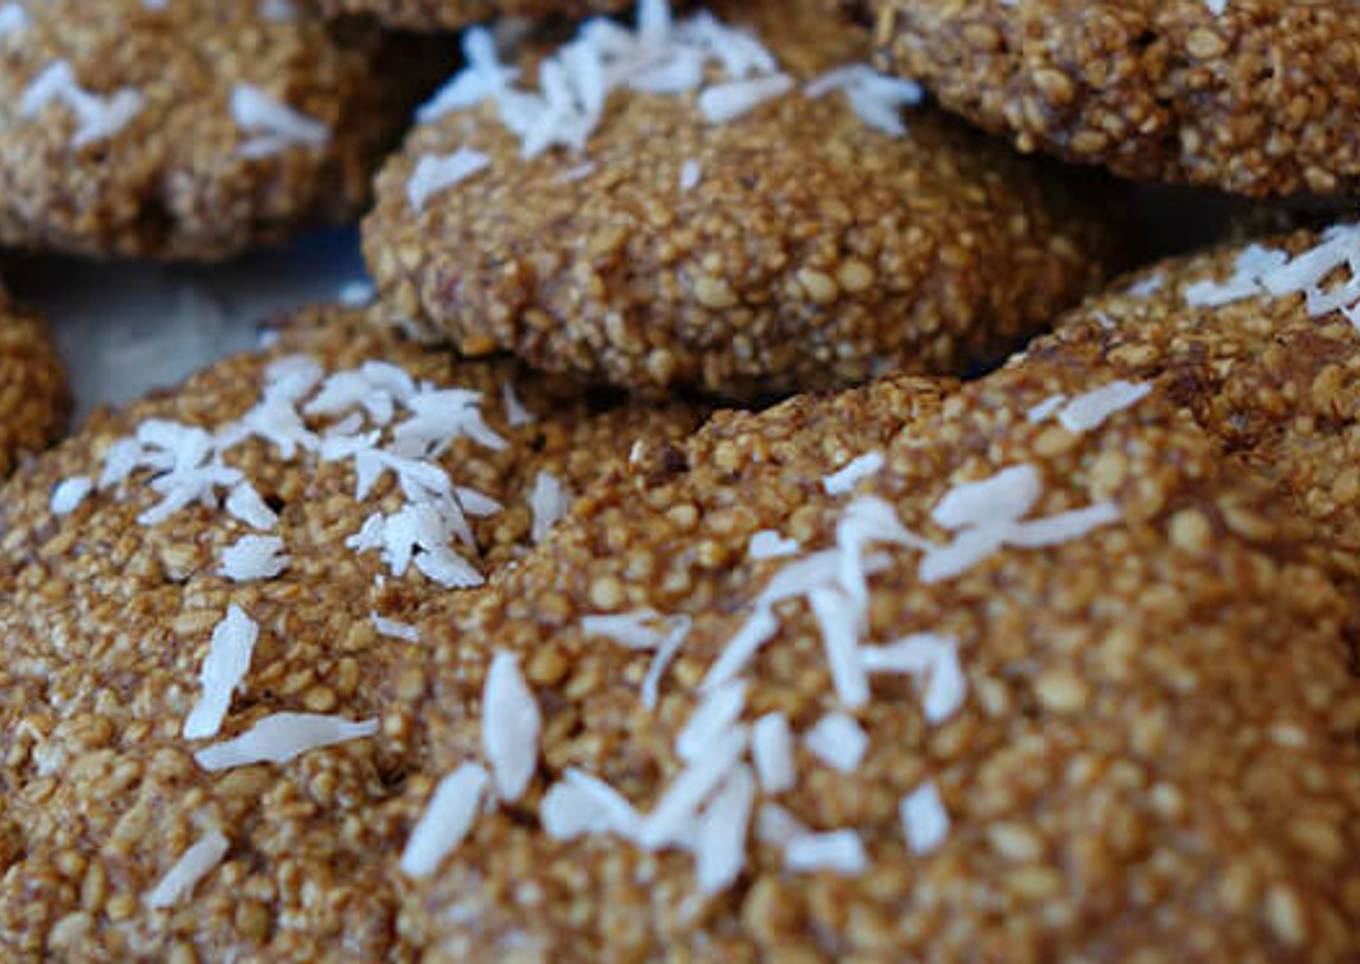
(452, 14)
(738, 206)
(34, 398)
(1259, 343)
(1256, 97)
(249, 555)
(980, 688)
(188, 129)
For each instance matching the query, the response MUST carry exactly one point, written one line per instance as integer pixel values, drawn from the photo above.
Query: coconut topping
(195, 864)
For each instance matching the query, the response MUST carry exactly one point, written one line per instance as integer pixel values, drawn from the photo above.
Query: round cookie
(1255, 97)
(127, 621)
(1259, 344)
(34, 397)
(189, 129)
(772, 227)
(453, 14)
(1101, 709)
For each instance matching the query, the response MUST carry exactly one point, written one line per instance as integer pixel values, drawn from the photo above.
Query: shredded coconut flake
(838, 741)
(279, 126)
(244, 503)
(435, 173)
(876, 98)
(97, 118)
(776, 827)
(193, 865)
(580, 804)
(721, 846)
(1046, 409)
(933, 660)
(515, 412)
(724, 103)
(69, 494)
(846, 479)
(225, 666)
(840, 852)
(1089, 410)
(395, 629)
(447, 819)
(511, 723)
(718, 713)
(691, 172)
(772, 752)
(254, 557)
(548, 502)
(768, 544)
(1003, 497)
(678, 805)
(924, 819)
(283, 737)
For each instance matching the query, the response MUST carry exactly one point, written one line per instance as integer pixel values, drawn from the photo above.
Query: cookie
(973, 687)
(34, 398)
(189, 129)
(1258, 342)
(776, 223)
(226, 572)
(453, 14)
(1255, 97)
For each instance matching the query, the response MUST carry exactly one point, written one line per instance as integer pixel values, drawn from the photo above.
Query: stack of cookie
(728, 534)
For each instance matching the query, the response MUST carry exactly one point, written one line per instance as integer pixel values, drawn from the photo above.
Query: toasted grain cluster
(34, 398)
(452, 14)
(1155, 758)
(171, 181)
(1260, 99)
(1278, 386)
(105, 624)
(814, 251)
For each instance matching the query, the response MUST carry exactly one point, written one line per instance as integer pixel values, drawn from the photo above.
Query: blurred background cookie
(874, 686)
(197, 744)
(189, 129)
(1256, 97)
(740, 206)
(34, 397)
(453, 14)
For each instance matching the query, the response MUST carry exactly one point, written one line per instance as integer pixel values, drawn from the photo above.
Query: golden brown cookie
(34, 397)
(190, 128)
(775, 223)
(182, 572)
(1020, 693)
(453, 14)
(1256, 97)
(1255, 341)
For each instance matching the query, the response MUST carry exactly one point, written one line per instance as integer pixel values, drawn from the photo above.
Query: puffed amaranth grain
(813, 250)
(170, 179)
(1155, 756)
(34, 396)
(105, 623)
(453, 14)
(1259, 99)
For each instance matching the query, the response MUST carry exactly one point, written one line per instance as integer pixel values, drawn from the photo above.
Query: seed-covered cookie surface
(971, 685)
(1258, 342)
(453, 14)
(202, 597)
(1256, 97)
(34, 396)
(738, 204)
(191, 128)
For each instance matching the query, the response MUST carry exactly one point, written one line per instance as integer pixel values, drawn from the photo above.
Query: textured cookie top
(1257, 97)
(186, 129)
(34, 398)
(225, 573)
(928, 686)
(739, 205)
(1259, 342)
(453, 14)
